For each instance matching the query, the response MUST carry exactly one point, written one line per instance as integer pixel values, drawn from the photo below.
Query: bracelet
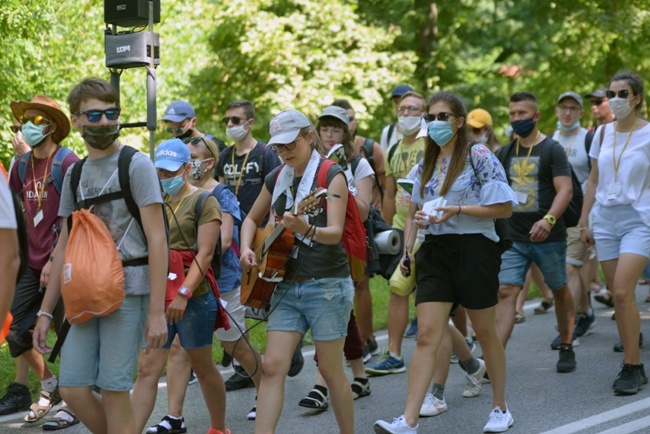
(41, 313)
(459, 210)
(582, 229)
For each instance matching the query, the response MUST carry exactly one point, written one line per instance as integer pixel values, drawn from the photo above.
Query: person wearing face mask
(539, 172)
(43, 126)
(460, 236)
(600, 107)
(618, 199)
(576, 142)
(399, 161)
(95, 108)
(481, 123)
(180, 122)
(391, 134)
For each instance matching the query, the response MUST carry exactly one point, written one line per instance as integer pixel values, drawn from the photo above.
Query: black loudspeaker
(130, 13)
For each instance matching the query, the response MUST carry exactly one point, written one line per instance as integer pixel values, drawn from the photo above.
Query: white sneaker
(499, 421)
(432, 406)
(397, 426)
(473, 387)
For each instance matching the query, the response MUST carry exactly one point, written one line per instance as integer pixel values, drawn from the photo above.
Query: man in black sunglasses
(600, 107)
(180, 122)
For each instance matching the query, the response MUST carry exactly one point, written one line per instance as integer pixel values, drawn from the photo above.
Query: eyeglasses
(597, 101)
(234, 119)
(15, 129)
(96, 115)
(623, 93)
(410, 109)
(442, 116)
(570, 109)
(36, 120)
(285, 147)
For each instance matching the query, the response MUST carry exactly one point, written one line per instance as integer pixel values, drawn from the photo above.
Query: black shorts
(460, 269)
(27, 302)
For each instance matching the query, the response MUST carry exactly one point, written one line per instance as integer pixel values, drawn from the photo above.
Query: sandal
(359, 388)
(605, 298)
(57, 423)
(544, 306)
(315, 399)
(37, 412)
(519, 317)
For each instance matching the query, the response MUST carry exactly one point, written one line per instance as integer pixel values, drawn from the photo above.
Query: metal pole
(151, 86)
(115, 74)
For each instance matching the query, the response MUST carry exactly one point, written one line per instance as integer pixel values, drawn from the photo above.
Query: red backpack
(354, 232)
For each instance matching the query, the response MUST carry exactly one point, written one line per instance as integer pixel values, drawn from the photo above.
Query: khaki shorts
(575, 249)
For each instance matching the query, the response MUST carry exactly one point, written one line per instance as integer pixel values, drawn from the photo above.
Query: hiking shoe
(619, 347)
(168, 426)
(412, 330)
(499, 421)
(567, 362)
(397, 426)
(473, 387)
(369, 350)
(432, 406)
(630, 379)
(239, 380)
(557, 342)
(193, 379)
(584, 324)
(297, 362)
(387, 365)
(16, 399)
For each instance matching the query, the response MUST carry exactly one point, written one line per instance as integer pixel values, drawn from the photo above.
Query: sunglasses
(195, 141)
(36, 120)
(15, 129)
(177, 130)
(597, 101)
(96, 115)
(623, 93)
(442, 116)
(234, 119)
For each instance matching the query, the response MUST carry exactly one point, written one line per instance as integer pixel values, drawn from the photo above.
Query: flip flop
(55, 424)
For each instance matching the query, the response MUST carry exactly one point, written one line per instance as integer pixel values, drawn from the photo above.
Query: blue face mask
(172, 185)
(571, 127)
(440, 132)
(33, 134)
(523, 128)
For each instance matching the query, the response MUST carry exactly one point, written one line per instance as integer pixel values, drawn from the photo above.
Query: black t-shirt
(532, 180)
(262, 159)
(321, 260)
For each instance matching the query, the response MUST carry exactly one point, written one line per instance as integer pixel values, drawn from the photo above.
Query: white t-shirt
(574, 145)
(363, 170)
(633, 175)
(394, 138)
(7, 211)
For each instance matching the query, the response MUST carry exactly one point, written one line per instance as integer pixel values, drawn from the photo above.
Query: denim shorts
(236, 316)
(619, 229)
(103, 351)
(549, 257)
(322, 305)
(195, 329)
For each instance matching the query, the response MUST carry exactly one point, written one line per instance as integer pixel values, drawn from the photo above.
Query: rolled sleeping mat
(388, 243)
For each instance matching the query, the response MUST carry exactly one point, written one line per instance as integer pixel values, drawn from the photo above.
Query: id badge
(522, 198)
(38, 217)
(614, 191)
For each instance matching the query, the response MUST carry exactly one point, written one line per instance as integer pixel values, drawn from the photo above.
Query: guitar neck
(279, 229)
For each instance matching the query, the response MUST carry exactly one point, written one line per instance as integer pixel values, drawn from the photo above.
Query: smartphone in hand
(407, 264)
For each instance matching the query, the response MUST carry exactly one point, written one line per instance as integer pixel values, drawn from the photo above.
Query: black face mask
(100, 137)
(523, 128)
(186, 134)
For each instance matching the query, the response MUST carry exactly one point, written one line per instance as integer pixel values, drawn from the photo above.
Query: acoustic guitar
(273, 246)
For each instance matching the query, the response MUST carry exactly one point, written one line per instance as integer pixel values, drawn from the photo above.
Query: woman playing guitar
(317, 291)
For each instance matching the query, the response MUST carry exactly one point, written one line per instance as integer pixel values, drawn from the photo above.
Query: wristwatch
(549, 218)
(185, 291)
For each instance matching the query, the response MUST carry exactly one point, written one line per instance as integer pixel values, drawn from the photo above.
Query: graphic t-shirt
(39, 192)
(404, 158)
(532, 180)
(245, 174)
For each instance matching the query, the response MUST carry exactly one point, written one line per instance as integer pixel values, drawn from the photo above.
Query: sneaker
(239, 380)
(168, 426)
(557, 342)
(567, 362)
(193, 379)
(252, 414)
(584, 325)
(471, 343)
(432, 406)
(16, 399)
(387, 365)
(360, 388)
(397, 426)
(619, 347)
(473, 387)
(630, 379)
(297, 362)
(412, 330)
(369, 350)
(453, 359)
(499, 421)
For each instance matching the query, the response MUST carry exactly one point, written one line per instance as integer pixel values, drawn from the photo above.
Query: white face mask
(409, 124)
(237, 133)
(620, 107)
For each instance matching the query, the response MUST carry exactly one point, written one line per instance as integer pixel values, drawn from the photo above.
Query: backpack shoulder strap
(392, 150)
(321, 180)
(57, 167)
(391, 130)
(22, 166)
(368, 149)
(74, 180)
(354, 164)
(123, 165)
(589, 138)
(198, 210)
(218, 189)
(503, 154)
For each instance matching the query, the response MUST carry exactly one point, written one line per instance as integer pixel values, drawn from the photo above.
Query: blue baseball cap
(171, 155)
(178, 111)
(400, 90)
(286, 125)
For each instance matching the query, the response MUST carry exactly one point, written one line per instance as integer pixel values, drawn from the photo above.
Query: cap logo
(275, 126)
(171, 111)
(167, 152)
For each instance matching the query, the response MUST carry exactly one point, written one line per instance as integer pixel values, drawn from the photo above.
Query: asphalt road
(540, 399)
